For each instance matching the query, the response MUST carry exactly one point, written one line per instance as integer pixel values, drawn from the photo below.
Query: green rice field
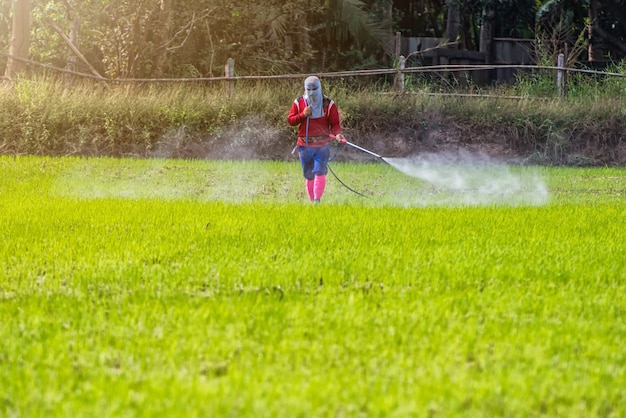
(172, 288)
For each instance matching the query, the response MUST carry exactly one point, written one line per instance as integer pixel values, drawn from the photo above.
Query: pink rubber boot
(319, 184)
(309, 189)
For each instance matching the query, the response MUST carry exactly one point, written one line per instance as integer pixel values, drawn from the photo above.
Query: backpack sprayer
(346, 142)
(342, 141)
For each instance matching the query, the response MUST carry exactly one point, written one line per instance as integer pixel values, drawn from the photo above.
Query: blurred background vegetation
(194, 38)
(43, 111)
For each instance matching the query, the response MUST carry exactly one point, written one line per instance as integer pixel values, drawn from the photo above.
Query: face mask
(313, 96)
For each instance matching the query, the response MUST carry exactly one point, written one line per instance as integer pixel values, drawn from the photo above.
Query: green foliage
(5, 25)
(536, 83)
(121, 120)
(599, 87)
(183, 38)
(516, 19)
(126, 39)
(48, 117)
(580, 85)
(137, 288)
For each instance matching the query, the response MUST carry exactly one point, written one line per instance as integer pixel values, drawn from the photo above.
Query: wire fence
(398, 72)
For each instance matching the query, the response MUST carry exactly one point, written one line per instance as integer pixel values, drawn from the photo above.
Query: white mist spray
(466, 179)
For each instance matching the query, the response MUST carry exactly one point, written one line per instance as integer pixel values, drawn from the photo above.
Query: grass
(167, 288)
(43, 116)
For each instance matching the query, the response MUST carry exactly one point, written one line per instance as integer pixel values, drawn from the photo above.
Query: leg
(307, 161)
(319, 184)
(320, 168)
(310, 189)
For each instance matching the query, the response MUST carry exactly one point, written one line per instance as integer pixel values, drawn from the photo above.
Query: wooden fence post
(560, 75)
(229, 71)
(400, 79)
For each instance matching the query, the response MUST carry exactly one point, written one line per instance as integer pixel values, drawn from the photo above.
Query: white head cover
(313, 96)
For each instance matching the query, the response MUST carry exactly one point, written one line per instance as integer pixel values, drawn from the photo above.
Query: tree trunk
(5, 9)
(453, 21)
(486, 34)
(162, 37)
(486, 44)
(305, 40)
(75, 50)
(74, 31)
(20, 37)
(596, 48)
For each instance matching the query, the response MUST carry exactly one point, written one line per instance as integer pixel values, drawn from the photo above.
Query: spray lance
(373, 154)
(364, 150)
(346, 142)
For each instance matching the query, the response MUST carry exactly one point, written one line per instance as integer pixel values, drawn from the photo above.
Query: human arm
(296, 116)
(339, 138)
(334, 121)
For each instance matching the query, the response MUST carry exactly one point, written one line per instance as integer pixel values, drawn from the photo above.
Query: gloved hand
(340, 139)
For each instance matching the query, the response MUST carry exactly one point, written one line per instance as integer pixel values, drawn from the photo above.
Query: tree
(20, 37)
(453, 20)
(162, 33)
(516, 18)
(348, 34)
(5, 13)
(193, 38)
(607, 32)
(561, 25)
(420, 17)
(264, 37)
(487, 31)
(602, 21)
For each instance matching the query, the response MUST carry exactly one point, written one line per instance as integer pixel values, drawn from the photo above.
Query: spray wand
(373, 154)
(364, 150)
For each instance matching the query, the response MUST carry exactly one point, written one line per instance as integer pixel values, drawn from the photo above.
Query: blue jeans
(314, 160)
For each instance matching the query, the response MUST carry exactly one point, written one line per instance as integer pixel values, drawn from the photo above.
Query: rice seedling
(195, 288)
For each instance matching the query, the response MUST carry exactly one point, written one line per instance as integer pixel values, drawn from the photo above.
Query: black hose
(331, 158)
(344, 184)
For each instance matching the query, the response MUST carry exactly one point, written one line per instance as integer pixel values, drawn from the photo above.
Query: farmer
(318, 124)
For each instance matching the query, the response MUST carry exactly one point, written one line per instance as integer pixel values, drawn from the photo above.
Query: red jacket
(320, 129)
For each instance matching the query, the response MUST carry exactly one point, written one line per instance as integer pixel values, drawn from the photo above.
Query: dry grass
(50, 117)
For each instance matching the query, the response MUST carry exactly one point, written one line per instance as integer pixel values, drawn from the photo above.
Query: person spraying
(318, 122)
